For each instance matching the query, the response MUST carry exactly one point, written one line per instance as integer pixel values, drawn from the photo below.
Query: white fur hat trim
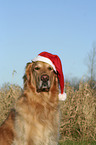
(44, 59)
(62, 97)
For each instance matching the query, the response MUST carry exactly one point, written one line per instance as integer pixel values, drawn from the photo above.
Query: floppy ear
(28, 76)
(54, 91)
(55, 86)
(28, 71)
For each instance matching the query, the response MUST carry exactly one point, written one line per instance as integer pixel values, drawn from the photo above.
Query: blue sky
(63, 27)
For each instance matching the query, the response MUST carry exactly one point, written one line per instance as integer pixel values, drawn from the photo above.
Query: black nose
(44, 78)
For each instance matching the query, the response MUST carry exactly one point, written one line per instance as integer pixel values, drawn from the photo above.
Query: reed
(8, 96)
(78, 113)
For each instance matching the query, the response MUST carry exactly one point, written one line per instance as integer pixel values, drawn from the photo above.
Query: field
(78, 112)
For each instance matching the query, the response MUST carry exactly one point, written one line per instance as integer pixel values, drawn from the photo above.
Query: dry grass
(8, 96)
(78, 112)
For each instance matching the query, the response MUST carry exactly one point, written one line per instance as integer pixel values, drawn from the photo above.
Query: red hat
(55, 62)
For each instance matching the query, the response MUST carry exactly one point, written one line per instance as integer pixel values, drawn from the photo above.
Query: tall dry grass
(78, 112)
(8, 96)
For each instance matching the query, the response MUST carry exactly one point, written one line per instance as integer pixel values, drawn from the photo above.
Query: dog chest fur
(37, 125)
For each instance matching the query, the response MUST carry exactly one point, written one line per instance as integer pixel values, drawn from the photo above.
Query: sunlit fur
(7, 129)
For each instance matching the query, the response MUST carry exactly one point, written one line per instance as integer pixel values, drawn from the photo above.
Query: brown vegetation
(8, 96)
(79, 113)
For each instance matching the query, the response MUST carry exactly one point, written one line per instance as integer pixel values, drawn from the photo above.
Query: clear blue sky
(63, 27)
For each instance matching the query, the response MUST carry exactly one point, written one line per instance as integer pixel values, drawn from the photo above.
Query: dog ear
(28, 70)
(54, 89)
(27, 76)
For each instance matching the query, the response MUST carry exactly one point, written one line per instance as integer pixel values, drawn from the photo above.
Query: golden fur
(7, 130)
(37, 116)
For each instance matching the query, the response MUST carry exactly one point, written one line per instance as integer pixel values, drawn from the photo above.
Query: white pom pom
(62, 97)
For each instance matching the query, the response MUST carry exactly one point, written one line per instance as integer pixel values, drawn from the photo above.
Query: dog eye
(37, 68)
(50, 68)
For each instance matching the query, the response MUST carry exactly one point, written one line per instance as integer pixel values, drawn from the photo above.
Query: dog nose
(44, 78)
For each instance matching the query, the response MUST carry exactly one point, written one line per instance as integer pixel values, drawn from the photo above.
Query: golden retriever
(37, 111)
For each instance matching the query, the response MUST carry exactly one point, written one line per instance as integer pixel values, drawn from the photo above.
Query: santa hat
(55, 62)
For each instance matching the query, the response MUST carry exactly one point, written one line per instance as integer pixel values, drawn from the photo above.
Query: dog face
(44, 75)
(41, 75)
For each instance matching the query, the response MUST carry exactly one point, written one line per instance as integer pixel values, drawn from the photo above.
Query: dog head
(40, 75)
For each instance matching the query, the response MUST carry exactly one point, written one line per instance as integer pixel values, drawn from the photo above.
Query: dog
(35, 120)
